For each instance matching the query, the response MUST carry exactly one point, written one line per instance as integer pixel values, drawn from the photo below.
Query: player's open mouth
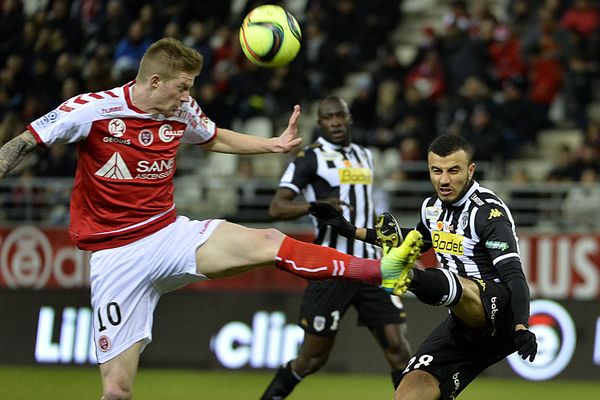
(445, 191)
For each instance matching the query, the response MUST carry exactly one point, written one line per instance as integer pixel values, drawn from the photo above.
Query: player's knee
(116, 391)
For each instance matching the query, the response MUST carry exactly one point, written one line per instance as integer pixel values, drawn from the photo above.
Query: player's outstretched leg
(397, 263)
(388, 232)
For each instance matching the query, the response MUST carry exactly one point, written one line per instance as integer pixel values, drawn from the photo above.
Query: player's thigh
(470, 308)
(418, 385)
(118, 374)
(233, 248)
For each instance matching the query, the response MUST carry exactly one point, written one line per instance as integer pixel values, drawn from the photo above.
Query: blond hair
(167, 57)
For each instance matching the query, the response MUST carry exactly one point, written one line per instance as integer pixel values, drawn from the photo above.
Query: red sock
(311, 261)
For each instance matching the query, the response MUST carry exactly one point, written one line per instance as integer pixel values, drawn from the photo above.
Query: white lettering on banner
(554, 276)
(562, 267)
(28, 260)
(588, 271)
(268, 343)
(75, 343)
(596, 353)
(556, 340)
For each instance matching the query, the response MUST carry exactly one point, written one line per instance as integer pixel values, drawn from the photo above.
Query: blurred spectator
(581, 207)
(579, 87)
(519, 117)
(562, 169)
(482, 132)
(129, 52)
(11, 22)
(428, 77)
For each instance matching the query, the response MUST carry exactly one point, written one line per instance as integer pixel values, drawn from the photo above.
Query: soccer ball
(270, 36)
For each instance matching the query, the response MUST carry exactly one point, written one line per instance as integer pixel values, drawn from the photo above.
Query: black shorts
(455, 355)
(325, 303)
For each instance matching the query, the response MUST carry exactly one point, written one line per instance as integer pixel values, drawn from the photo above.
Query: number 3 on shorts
(424, 360)
(113, 315)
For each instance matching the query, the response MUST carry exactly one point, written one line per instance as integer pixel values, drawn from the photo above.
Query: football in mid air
(270, 36)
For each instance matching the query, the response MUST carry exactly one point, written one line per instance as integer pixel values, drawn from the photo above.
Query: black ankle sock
(283, 383)
(396, 377)
(436, 286)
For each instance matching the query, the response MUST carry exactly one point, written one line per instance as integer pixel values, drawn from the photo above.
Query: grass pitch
(66, 383)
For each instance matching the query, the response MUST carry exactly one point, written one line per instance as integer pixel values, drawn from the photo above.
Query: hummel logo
(114, 168)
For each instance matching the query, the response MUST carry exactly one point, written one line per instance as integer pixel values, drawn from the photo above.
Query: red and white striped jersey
(123, 189)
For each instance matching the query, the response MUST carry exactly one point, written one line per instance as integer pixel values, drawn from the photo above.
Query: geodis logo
(556, 338)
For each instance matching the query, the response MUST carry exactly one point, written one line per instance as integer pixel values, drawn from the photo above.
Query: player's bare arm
(15, 150)
(228, 141)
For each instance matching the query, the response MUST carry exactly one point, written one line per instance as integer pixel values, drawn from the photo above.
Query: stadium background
(518, 78)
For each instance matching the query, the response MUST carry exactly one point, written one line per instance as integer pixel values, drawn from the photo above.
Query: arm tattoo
(13, 152)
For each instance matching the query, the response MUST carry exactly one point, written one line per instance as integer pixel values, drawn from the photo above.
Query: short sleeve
(300, 172)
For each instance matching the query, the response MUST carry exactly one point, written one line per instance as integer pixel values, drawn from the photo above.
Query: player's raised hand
(329, 215)
(289, 138)
(526, 344)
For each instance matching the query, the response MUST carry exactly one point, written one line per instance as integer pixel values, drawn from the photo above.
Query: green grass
(24, 383)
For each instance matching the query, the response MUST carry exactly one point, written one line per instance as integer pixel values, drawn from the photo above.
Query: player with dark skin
(334, 121)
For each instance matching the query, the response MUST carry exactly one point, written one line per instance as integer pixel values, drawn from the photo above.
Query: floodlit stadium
(518, 79)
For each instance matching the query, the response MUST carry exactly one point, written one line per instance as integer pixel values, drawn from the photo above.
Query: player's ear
(155, 81)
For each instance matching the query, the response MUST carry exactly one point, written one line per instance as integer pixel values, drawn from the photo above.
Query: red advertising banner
(558, 266)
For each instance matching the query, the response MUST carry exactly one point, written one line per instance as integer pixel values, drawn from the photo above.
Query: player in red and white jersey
(122, 205)
(126, 162)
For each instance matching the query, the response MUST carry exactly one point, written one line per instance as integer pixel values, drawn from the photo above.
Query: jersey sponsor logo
(116, 127)
(449, 243)
(474, 198)
(155, 169)
(496, 245)
(146, 137)
(115, 168)
(432, 212)
(495, 213)
(166, 133)
(355, 176)
(109, 139)
(319, 323)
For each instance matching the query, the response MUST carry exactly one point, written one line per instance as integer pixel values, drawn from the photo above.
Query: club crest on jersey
(319, 323)
(103, 343)
(448, 243)
(166, 133)
(146, 137)
(464, 220)
(116, 127)
(432, 212)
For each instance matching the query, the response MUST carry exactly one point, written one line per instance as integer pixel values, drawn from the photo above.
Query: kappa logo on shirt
(115, 168)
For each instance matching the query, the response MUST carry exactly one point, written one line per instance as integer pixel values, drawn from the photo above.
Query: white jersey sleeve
(200, 129)
(69, 123)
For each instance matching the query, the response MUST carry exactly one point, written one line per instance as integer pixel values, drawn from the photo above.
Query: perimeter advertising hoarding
(559, 267)
(217, 330)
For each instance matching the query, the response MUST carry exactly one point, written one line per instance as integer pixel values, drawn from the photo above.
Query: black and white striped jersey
(325, 170)
(472, 237)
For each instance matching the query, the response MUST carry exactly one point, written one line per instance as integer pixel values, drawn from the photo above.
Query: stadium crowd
(496, 79)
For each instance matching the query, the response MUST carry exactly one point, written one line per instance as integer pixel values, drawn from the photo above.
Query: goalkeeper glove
(329, 215)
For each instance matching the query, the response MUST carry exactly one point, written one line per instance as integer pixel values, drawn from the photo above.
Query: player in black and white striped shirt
(480, 280)
(338, 172)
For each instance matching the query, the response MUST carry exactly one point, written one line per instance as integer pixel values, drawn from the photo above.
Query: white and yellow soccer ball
(270, 36)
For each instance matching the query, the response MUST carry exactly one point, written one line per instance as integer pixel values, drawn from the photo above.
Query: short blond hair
(167, 57)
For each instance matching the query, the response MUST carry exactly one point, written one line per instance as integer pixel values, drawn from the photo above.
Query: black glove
(526, 344)
(329, 215)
